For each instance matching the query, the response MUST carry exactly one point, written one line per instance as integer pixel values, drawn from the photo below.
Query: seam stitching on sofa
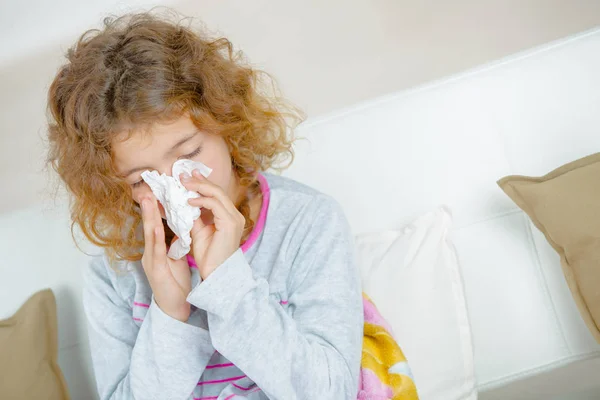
(545, 282)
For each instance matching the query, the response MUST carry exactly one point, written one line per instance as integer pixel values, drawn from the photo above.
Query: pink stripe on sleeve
(241, 387)
(138, 319)
(235, 378)
(219, 366)
(135, 303)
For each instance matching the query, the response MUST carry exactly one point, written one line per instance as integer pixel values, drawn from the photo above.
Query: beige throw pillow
(565, 207)
(29, 352)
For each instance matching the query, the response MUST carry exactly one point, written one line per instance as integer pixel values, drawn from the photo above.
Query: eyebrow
(175, 146)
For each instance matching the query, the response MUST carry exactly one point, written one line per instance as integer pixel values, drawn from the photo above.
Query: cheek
(221, 175)
(220, 162)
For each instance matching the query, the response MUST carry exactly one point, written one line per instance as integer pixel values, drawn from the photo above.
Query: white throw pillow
(414, 279)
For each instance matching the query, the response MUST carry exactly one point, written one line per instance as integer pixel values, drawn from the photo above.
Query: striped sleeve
(312, 352)
(162, 359)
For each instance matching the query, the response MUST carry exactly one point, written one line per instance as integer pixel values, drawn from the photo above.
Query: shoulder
(104, 275)
(101, 267)
(296, 197)
(318, 240)
(287, 186)
(305, 215)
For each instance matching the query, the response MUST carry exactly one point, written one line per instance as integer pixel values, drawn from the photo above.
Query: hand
(170, 280)
(213, 243)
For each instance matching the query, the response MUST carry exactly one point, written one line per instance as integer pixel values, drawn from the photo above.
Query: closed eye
(194, 153)
(191, 155)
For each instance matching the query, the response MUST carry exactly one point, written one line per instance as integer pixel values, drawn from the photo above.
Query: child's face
(164, 144)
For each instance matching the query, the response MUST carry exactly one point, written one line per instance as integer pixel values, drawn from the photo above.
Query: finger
(201, 234)
(222, 216)
(161, 269)
(200, 230)
(156, 212)
(181, 273)
(198, 183)
(160, 247)
(210, 203)
(148, 227)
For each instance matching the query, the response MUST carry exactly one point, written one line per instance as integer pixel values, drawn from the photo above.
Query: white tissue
(174, 197)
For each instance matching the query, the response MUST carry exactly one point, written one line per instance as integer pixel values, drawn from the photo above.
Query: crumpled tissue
(174, 197)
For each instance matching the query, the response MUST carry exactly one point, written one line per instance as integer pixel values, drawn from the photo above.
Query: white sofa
(394, 158)
(391, 159)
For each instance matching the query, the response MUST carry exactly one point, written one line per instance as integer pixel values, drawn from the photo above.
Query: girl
(267, 305)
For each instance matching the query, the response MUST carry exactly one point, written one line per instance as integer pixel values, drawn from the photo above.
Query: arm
(163, 359)
(312, 352)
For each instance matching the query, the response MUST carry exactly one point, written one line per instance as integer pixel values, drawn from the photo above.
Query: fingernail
(185, 177)
(197, 173)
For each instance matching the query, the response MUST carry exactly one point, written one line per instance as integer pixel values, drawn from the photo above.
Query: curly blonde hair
(144, 68)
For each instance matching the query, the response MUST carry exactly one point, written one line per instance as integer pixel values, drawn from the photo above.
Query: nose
(166, 169)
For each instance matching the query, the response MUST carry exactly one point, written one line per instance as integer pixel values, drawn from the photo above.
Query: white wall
(330, 54)
(325, 54)
(395, 158)
(348, 51)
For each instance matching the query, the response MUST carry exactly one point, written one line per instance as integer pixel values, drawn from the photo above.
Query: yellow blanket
(384, 370)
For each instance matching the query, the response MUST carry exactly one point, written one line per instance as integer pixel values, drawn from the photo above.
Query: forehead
(133, 144)
(145, 135)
